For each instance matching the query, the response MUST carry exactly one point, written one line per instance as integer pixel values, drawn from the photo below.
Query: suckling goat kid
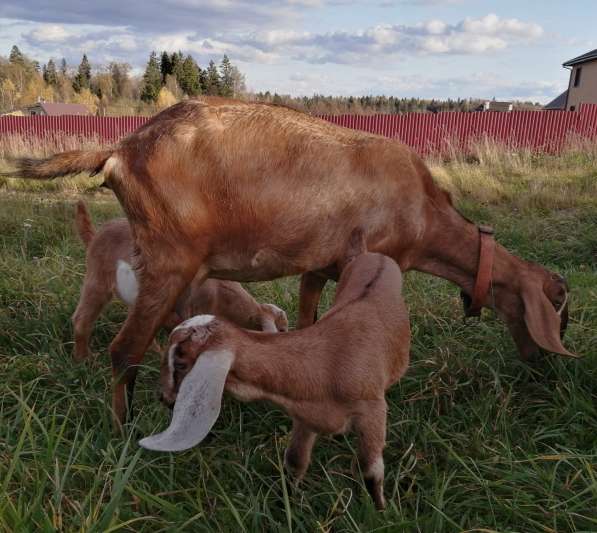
(330, 377)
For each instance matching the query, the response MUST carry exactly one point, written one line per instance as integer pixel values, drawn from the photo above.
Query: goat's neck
(266, 366)
(450, 250)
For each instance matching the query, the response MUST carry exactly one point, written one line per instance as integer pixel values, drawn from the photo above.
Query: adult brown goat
(248, 192)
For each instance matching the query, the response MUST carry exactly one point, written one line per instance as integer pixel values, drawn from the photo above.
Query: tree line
(369, 105)
(170, 77)
(112, 89)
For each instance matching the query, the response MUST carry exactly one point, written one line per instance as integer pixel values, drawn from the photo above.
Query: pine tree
(226, 77)
(176, 61)
(165, 66)
(16, 57)
(50, 74)
(212, 80)
(83, 78)
(203, 80)
(63, 68)
(152, 80)
(190, 77)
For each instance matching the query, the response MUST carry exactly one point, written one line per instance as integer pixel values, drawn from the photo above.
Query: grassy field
(477, 440)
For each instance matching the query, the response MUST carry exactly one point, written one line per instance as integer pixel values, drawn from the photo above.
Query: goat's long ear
(197, 406)
(542, 320)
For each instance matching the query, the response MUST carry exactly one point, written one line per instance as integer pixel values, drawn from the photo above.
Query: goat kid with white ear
(330, 377)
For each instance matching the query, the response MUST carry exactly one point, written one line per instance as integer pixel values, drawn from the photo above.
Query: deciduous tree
(165, 98)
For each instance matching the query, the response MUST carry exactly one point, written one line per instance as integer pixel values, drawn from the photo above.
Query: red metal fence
(425, 132)
(107, 129)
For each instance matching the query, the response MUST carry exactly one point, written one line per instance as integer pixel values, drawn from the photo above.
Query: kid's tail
(83, 223)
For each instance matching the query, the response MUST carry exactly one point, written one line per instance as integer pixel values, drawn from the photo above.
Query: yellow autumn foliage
(36, 91)
(88, 99)
(165, 98)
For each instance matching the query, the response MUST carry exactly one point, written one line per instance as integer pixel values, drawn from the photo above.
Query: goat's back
(203, 171)
(369, 303)
(358, 349)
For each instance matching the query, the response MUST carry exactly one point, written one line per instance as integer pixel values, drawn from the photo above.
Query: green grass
(477, 440)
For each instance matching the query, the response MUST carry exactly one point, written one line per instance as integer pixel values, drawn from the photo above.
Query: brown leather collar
(484, 272)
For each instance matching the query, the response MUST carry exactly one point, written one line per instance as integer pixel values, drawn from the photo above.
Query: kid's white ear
(197, 406)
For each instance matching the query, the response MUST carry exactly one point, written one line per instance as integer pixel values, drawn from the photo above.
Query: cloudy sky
(409, 48)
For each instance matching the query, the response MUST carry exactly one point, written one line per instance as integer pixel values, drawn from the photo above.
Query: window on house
(577, 77)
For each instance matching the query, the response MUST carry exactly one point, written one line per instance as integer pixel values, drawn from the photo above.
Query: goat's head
(273, 318)
(193, 376)
(535, 308)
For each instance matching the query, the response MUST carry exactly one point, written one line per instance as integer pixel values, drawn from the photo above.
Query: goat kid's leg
(371, 431)
(298, 454)
(312, 285)
(93, 299)
(158, 292)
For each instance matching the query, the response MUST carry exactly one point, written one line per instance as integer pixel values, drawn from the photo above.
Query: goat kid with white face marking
(330, 377)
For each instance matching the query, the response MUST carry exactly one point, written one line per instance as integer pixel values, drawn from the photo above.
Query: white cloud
(469, 36)
(49, 33)
(280, 56)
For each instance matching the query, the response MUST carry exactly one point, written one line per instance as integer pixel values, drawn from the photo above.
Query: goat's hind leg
(94, 298)
(298, 454)
(371, 430)
(158, 290)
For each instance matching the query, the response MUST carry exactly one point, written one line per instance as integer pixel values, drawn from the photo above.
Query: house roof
(589, 56)
(559, 102)
(63, 109)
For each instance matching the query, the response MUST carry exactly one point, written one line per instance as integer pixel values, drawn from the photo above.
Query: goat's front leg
(298, 454)
(371, 431)
(312, 285)
(158, 290)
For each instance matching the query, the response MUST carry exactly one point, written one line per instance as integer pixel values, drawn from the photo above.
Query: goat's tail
(61, 164)
(83, 223)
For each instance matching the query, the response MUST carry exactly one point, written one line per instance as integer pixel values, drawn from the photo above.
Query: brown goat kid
(330, 377)
(109, 260)
(247, 192)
